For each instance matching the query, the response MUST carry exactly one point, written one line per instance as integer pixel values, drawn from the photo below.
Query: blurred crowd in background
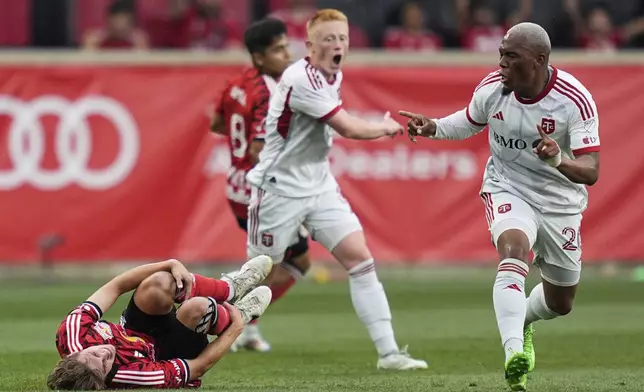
(424, 25)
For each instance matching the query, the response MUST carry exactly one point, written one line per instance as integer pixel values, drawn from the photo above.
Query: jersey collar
(543, 93)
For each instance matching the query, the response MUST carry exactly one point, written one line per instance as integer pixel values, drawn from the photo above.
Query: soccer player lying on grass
(157, 345)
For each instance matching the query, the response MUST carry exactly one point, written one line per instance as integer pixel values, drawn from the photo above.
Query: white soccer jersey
(566, 112)
(294, 161)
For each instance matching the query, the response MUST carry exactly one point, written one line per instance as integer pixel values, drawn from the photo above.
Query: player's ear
(258, 59)
(309, 44)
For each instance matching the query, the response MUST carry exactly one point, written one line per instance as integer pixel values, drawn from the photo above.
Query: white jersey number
(238, 135)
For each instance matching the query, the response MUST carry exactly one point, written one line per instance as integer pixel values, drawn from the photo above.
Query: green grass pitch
(446, 317)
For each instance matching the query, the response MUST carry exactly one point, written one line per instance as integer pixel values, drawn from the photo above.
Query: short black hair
(261, 34)
(121, 7)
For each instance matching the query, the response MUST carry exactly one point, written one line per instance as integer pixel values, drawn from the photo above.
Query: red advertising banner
(119, 163)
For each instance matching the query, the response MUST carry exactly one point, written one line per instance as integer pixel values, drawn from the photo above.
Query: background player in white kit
(544, 140)
(292, 184)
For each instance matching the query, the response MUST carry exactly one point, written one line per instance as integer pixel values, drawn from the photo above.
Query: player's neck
(540, 84)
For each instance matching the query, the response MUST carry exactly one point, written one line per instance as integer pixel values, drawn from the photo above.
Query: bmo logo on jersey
(513, 144)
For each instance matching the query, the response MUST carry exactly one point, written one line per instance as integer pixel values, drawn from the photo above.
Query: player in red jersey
(239, 115)
(157, 345)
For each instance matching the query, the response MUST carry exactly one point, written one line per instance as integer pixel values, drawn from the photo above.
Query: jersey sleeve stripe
(487, 78)
(577, 93)
(574, 99)
(94, 308)
(469, 118)
(140, 373)
(585, 99)
(311, 73)
(72, 324)
(494, 79)
(585, 150)
(330, 114)
(186, 372)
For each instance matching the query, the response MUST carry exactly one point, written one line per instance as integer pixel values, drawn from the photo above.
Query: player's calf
(370, 302)
(508, 295)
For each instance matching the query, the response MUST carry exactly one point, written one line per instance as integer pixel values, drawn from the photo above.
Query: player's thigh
(331, 220)
(558, 249)
(273, 223)
(134, 319)
(505, 211)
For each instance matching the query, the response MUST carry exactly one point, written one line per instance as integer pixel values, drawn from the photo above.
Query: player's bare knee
(193, 311)
(155, 295)
(352, 250)
(513, 244)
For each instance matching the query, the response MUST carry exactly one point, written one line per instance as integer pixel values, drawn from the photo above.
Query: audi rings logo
(72, 142)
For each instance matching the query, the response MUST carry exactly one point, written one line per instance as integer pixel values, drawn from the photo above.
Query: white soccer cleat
(400, 361)
(252, 273)
(251, 339)
(254, 303)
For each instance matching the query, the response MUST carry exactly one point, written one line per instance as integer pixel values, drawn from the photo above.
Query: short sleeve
(73, 331)
(584, 127)
(311, 97)
(171, 374)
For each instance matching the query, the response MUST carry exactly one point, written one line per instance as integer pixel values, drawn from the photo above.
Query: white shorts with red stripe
(554, 238)
(274, 221)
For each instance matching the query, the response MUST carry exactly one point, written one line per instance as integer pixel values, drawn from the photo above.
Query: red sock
(203, 286)
(223, 320)
(278, 292)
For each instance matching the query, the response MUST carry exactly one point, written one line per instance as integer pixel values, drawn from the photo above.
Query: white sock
(537, 307)
(510, 304)
(371, 306)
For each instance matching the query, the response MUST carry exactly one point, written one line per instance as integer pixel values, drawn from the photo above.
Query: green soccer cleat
(528, 346)
(516, 371)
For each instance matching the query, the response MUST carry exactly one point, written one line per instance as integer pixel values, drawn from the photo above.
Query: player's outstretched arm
(310, 98)
(352, 127)
(107, 295)
(218, 347)
(456, 126)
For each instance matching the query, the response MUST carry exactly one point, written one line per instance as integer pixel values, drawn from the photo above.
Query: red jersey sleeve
(171, 374)
(72, 336)
(261, 99)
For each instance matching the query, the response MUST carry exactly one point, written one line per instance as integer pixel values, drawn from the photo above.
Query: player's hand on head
(547, 149)
(392, 127)
(182, 277)
(418, 125)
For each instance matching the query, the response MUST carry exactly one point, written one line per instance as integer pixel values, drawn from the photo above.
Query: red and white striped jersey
(295, 159)
(243, 105)
(135, 365)
(565, 110)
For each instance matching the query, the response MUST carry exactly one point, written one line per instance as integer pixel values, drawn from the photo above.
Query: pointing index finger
(542, 133)
(411, 115)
